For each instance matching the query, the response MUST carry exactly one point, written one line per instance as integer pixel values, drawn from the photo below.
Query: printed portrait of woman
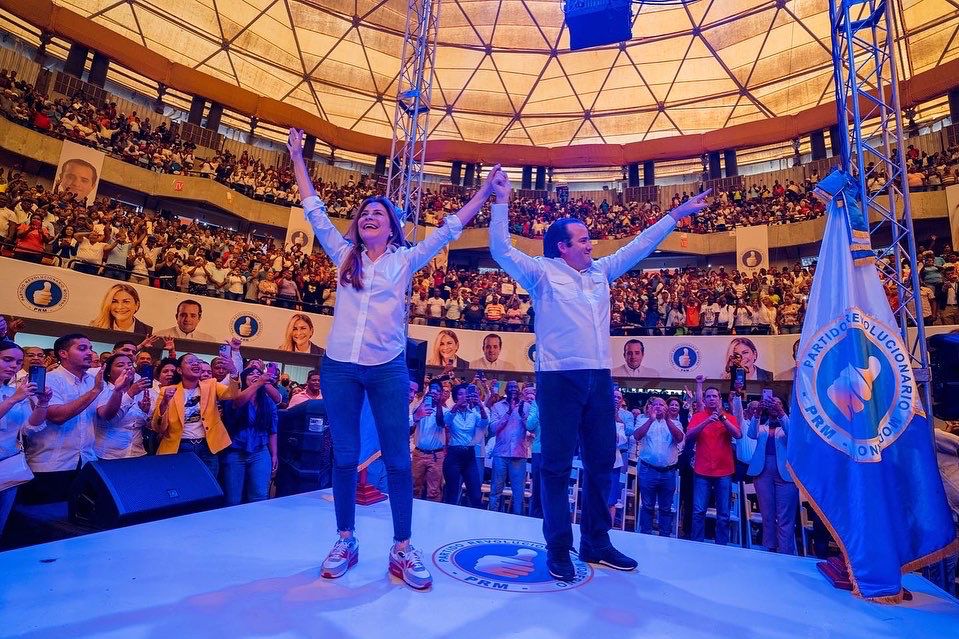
(445, 350)
(299, 335)
(118, 311)
(745, 349)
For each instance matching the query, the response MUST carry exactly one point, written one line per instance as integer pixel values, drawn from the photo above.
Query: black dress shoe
(609, 556)
(560, 565)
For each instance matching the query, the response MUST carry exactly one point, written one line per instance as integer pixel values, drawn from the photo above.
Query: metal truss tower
(411, 118)
(871, 139)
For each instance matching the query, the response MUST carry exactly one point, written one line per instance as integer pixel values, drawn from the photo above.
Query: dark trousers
(575, 408)
(48, 487)
(459, 467)
(536, 491)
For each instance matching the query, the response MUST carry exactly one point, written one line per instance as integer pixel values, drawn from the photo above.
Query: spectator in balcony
(118, 311)
(494, 310)
(299, 336)
(474, 313)
(435, 306)
(287, 293)
(32, 239)
(455, 306)
(267, 289)
(90, 252)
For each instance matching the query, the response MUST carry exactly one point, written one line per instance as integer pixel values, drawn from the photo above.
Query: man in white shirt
(660, 440)
(633, 353)
(188, 316)
(492, 347)
(57, 452)
(570, 292)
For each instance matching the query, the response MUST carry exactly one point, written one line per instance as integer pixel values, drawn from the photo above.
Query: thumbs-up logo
(42, 294)
(684, 357)
(246, 326)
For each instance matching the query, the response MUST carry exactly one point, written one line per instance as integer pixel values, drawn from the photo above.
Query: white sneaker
(343, 556)
(408, 566)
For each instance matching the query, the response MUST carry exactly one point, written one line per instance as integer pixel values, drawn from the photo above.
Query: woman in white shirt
(22, 410)
(123, 410)
(365, 355)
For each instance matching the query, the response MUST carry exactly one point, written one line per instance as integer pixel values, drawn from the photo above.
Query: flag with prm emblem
(860, 444)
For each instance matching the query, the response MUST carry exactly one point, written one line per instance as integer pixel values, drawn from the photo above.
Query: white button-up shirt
(657, 447)
(61, 446)
(572, 307)
(368, 324)
(122, 436)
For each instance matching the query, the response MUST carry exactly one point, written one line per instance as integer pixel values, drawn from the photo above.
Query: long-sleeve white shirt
(572, 307)
(368, 324)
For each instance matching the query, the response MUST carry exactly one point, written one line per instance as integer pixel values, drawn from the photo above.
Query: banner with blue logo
(860, 444)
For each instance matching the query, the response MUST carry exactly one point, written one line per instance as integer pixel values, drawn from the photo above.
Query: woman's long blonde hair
(351, 272)
(436, 358)
(105, 319)
(288, 344)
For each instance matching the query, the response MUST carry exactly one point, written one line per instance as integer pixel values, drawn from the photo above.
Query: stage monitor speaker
(120, 492)
(593, 23)
(416, 359)
(944, 362)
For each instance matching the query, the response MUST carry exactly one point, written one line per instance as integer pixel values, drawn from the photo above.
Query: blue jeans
(536, 497)
(246, 476)
(515, 467)
(201, 450)
(574, 408)
(656, 486)
(7, 498)
(942, 573)
(459, 467)
(702, 487)
(387, 386)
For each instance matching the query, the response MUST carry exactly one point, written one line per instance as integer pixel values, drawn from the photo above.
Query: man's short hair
(82, 163)
(64, 342)
(194, 302)
(558, 232)
(312, 372)
(493, 335)
(122, 343)
(715, 388)
(634, 341)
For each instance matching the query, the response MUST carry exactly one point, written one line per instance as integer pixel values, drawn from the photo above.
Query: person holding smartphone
(467, 416)
(23, 409)
(778, 496)
(508, 423)
(365, 356)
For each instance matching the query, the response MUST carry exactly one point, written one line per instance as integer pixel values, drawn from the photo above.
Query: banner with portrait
(752, 248)
(299, 231)
(78, 171)
(62, 295)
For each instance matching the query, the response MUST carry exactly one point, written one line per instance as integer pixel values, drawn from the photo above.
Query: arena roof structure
(504, 72)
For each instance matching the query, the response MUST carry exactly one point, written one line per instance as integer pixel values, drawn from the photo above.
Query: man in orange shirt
(712, 431)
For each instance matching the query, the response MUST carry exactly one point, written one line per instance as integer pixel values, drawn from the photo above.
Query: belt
(429, 452)
(662, 469)
(193, 441)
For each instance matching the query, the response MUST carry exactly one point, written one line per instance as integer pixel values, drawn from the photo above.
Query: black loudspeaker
(632, 174)
(596, 22)
(380, 167)
(944, 362)
(215, 114)
(305, 448)
(527, 181)
(469, 175)
(456, 173)
(120, 492)
(416, 359)
(540, 178)
(98, 69)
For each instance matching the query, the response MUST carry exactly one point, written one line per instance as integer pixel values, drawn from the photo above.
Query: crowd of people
(134, 139)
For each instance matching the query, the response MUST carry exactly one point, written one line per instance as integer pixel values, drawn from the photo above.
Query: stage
(253, 571)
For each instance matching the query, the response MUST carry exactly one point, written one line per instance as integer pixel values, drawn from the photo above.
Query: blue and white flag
(860, 444)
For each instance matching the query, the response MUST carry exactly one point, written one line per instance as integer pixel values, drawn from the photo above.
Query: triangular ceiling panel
(709, 64)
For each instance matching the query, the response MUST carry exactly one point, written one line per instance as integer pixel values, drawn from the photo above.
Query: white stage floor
(252, 571)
